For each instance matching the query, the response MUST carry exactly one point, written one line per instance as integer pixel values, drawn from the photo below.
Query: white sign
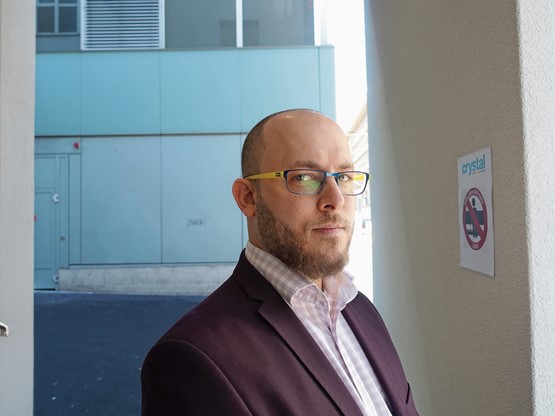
(476, 212)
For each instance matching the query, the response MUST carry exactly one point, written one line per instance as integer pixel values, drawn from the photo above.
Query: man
(287, 333)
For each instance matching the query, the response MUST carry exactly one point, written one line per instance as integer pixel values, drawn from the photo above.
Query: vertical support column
(537, 32)
(320, 22)
(239, 22)
(17, 76)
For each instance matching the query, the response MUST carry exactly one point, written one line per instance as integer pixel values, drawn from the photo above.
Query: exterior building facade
(141, 110)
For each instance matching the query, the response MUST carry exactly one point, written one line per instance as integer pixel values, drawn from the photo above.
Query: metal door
(51, 219)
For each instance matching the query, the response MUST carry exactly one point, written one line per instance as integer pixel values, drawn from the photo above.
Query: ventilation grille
(122, 24)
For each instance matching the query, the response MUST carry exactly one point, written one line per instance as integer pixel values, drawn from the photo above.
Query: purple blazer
(243, 351)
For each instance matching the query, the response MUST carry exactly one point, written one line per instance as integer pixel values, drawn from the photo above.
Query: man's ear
(244, 192)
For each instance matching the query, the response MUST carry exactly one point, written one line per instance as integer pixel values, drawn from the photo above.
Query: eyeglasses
(311, 181)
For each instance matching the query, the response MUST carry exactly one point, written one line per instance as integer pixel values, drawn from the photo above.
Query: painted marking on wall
(197, 222)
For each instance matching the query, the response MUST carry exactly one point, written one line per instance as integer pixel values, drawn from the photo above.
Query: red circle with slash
(475, 219)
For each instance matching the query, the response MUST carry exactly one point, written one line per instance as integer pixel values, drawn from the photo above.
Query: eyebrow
(313, 165)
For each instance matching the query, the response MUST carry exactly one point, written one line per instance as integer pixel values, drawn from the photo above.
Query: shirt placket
(332, 312)
(361, 387)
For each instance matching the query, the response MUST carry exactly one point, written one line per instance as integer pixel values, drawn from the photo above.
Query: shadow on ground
(89, 349)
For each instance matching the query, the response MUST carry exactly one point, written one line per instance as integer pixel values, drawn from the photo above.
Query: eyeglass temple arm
(280, 174)
(269, 175)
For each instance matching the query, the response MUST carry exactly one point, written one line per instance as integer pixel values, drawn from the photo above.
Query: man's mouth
(329, 228)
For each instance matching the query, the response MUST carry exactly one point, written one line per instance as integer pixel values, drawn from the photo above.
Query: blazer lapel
(375, 342)
(307, 350)
(280, 316)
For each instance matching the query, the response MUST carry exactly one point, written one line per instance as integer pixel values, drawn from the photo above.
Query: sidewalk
(89, 349)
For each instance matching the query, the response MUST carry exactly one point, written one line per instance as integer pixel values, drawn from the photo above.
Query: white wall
(17, 73)
(445, 79)
(537, 37)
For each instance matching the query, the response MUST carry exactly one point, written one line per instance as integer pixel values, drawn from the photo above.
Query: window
(236, 23)
(57, 17)
(200, 24)
(177, 24)
(278, 22)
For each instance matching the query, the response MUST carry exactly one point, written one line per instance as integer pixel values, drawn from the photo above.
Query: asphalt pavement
(89, 349)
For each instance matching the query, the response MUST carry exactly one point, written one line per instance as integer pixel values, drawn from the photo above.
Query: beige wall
(17, 73)
(447, 78)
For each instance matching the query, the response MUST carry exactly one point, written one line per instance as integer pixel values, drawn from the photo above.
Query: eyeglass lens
(307, 182)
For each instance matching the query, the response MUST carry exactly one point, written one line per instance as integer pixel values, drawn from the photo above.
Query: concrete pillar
(17, 75)
(537, 60)
(446, 79)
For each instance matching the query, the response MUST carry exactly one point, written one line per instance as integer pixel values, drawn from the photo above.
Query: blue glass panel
(74, 234)
(200, 92)
(121, 200)
(121, 93)
(58, 105)
(201, 222)
(327, 80)
(278, 79)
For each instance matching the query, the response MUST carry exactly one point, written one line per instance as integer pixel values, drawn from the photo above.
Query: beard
(294, 249)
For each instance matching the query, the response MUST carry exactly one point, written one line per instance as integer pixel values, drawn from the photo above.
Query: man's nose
(331, 198)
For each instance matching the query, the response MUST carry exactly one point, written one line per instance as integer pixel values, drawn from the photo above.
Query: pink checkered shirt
(320, 313)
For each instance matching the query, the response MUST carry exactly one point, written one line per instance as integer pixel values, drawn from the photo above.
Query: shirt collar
(288, 282)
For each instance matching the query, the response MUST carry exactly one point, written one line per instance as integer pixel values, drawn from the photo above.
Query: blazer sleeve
(179, 379)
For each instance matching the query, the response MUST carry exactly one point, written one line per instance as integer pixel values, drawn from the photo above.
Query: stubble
(294, 249)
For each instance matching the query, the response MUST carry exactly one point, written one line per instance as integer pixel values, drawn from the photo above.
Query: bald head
(308, 232)
(256, 141)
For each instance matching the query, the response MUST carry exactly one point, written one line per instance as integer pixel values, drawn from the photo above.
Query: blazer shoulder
(231, 310)
(175, 376)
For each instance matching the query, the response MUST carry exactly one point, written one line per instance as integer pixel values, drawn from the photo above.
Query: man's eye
(303, 177)
(344, 177)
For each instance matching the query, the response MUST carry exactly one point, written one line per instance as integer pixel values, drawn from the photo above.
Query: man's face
(309, 233)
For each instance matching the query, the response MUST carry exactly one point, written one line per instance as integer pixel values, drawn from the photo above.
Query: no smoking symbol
(475, 219)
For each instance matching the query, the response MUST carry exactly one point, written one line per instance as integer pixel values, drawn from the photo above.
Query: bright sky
(346, 33)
